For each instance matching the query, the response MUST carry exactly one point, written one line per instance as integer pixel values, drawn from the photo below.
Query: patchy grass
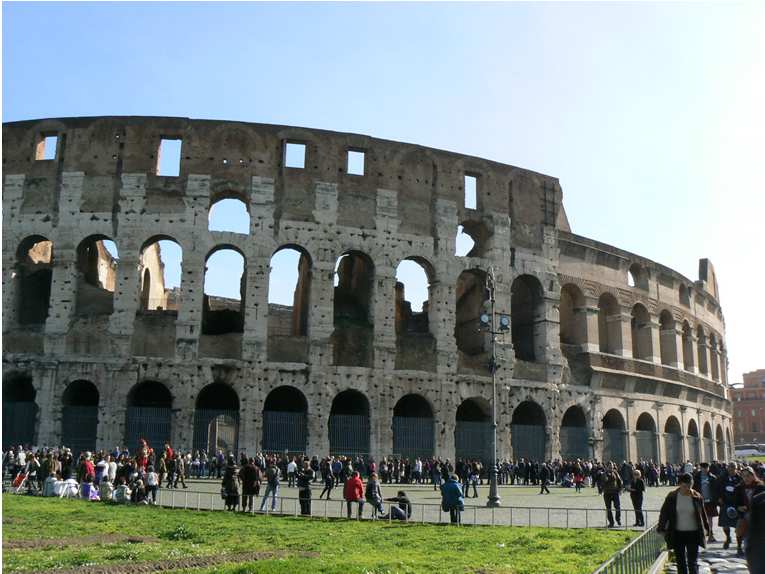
(341, 546)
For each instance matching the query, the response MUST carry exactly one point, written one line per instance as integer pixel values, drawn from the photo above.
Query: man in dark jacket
(755, 544)
(305, 477)
(452, 500)
(544, 477)
(705, 483)
(404, 509)
(612, 486)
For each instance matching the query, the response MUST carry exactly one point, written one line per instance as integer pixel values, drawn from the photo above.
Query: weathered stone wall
(407, 204)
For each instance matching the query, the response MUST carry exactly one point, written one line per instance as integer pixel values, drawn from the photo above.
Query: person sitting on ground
(88, 490)
(138, 496)
(49, 486)
(353, 491)
(106, 489)
(121, 493)
(404, 509)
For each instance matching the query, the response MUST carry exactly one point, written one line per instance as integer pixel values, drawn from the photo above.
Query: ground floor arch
(349, 426)
(709, 447)
(673, 440)
(413, 427)
(645, 438)
(473, 431)
(79, 420)
(574, 434)
(19, 411)
(720, 443)
(527, 430)
(148, 415)
(694, 445)
(614, 437)
(216, 419)
(285, 426)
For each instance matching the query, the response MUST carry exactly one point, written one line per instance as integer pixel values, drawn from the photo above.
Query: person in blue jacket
(452, 500)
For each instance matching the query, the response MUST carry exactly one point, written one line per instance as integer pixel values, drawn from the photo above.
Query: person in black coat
(684, 523)
(637, 488)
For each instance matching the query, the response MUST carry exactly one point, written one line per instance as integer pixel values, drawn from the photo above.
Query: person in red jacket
(353, 491)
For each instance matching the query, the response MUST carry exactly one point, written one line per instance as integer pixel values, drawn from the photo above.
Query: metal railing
(637, 556)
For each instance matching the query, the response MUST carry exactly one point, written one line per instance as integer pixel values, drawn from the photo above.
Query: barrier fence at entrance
(637, 556)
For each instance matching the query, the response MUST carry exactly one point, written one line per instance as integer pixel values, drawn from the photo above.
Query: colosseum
(599, 352)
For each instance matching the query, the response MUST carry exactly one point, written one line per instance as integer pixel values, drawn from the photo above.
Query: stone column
(126, 303)
(49, 426)
(188, 325)
(385, 318)
(626, 331)
(655, 327)
(685, 449)
(442, 314)
(255, 338)
(674, 338)
(320, 314)
(63, 298)
(587, 316)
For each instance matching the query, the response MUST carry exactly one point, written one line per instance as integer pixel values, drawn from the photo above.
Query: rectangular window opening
(46, 147)
(169, 157)
(294, 155)
(355, 162)
(471, 190)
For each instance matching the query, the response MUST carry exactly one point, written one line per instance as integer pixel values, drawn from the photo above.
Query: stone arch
(415, 343)
(79, 421)
(684, 295)
(216, 419)
(528, 434)
(161, 257)
(285, 421)
(609, 324)
(289, 292)
(573, 321)
(471, 297)
(19, 410)
(728, 444)
(349, 424)
(222, 312)
(701, 344)
(709, 447)
(673, 438)
(640, 324)
(34, 276)
(97, 258)
(229, 212)
(645, 437)
(667, 338)
(574, 434)
(413, 427)
(353, 310)
(694, 444)
(614, 437)
(149, 415)
(720, 443)
(527, 312)
(473, 431)
(687, 346)
(637, 276)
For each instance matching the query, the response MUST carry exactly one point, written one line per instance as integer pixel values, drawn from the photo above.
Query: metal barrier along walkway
(637, 556)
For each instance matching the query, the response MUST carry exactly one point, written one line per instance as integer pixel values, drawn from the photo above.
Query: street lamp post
(490, 323)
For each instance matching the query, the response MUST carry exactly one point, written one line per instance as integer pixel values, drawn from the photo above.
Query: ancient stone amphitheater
(607, 354)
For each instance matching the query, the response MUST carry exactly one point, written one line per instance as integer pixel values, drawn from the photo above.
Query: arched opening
(216, 419)
(471, 295)
(637, 277)
(528, 431)
(642, 347)
(161, 261)
(713, 360)
(684, 296)
(694, 446)
(229, 214)
(527, 312)
(614, 437)
(472, 239)
(285, 421)
(687, 347)
(573, 319)
(463, 243)
(80, 416)
(19, 410)
(709, 447)
(224, 292)
(413, 428)
(97, 258)
(473, 431)
(728, 445)
(353, 312)
(34, 273)
(673, 438)
(148, 415)
(701, 345)
(609, 324)
(645, 437)
(349, 424)
(667, 338)
(574, 435)
(289, 290)
(720, 443)
(415, 345)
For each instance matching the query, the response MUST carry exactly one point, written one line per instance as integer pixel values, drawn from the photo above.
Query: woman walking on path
(637, 489)
(745, 492)
(684, 524)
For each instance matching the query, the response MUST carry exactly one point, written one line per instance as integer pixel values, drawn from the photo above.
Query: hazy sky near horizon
(651, 115)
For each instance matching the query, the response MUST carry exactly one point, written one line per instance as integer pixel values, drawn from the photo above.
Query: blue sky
(650, 114)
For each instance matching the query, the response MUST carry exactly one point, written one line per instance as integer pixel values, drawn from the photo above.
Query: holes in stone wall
(161, 261)
(97, 258)
(46, 148)
(464, 243)
(412, 296)
(471, 191)
(471, 295)
(289, 285)
(353, 314)
(229, 214)
(527, 312)
(294, 155)
(169, 157)
(637, 277)
(34, 274)
(355, 162)
(224, 292)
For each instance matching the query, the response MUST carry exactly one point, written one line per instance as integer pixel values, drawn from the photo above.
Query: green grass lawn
(336, 546)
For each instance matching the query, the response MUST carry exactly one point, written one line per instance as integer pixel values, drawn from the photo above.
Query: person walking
(452, 500)
(329, 484)
(544, 478)
(684, 524)
(353, 491)
(612, 486)
(272, 486)
(750, 486)
(705, 483)
(637, 489)
(726, 499)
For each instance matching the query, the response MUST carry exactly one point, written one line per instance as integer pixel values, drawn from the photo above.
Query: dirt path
(75, 541)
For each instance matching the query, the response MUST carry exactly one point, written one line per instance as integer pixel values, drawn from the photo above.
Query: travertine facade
(589, 361)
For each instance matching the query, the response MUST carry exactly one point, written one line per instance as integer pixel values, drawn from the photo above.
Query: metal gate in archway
(574, 443)
(216, 429)
(472, 440)
(695, 449)
(614, 445)
(284, 431)
(19, 419)
(646, 445)
(413, 436)
(78, 428)
(674, 444)
(528, 442)
(348, 435)
(708, 450)
(149, 423)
